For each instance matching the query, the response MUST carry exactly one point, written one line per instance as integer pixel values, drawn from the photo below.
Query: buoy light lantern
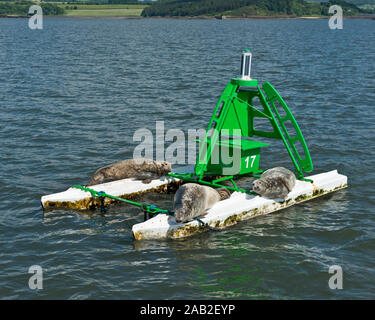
(245, 65)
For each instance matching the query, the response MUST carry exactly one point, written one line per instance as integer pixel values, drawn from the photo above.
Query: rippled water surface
(73, 94)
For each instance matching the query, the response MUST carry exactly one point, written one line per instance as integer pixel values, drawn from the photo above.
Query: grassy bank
(102, 10)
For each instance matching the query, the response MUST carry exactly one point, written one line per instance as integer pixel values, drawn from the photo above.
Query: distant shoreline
(11, 16)
(198, 17)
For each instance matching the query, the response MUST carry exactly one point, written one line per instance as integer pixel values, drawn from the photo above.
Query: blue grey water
(73, 94)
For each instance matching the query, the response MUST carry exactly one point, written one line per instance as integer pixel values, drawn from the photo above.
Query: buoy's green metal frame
(236, 109)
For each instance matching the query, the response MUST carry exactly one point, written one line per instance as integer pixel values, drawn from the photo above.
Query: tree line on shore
(21, 8)
(184, 8)
(245, 8)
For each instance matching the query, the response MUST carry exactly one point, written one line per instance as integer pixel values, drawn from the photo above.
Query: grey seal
(140, 169)
(275, 183)
(192, 200)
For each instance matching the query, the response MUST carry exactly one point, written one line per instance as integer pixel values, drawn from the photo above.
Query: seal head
(259, 186)
(275, 183)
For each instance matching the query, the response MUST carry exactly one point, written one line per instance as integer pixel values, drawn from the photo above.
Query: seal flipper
(224, 193)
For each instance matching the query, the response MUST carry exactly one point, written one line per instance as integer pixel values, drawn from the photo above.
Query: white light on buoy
(245, 65)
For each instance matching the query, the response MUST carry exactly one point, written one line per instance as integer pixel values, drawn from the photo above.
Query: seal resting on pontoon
(139, 169)
(275, 183)
(192, 200)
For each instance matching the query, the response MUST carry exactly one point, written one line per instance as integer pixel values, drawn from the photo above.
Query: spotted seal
(192, 200)
(140, 169)
(275, 183)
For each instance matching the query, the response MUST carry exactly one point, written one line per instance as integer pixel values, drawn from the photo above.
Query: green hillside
(245, 8)
(356, 2)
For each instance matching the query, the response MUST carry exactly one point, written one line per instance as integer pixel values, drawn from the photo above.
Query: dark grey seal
(275, 183)
(192, 200)
(140, 169)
